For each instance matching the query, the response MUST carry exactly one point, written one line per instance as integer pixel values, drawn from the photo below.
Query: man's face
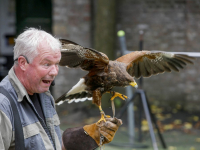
(42, 70)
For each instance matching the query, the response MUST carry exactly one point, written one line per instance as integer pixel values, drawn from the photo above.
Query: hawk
(104, 74)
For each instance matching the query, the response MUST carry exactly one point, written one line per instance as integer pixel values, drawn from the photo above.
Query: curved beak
(134, 84)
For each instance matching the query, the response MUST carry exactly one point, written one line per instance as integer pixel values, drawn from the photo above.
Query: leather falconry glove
(107, 129)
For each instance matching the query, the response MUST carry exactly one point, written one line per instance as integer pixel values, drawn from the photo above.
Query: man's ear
(22, 62)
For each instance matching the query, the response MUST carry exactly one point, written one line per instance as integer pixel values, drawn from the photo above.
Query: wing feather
(172, 66)
(136, 70)
(165, 66)
(148, 67)
(143, 69)
(74, 55)
(184, 59)
(175, 62)
(147, 63)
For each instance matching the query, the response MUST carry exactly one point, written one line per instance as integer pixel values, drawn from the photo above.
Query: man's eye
(47, 65)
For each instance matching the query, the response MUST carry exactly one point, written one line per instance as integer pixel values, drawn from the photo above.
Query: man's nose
(54, 70)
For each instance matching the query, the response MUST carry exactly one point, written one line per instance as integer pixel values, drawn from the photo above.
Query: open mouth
(46, 81)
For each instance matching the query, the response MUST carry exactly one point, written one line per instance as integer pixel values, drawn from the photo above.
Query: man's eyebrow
(48, 60)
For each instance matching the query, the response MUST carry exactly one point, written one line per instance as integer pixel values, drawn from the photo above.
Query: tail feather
(78, 97)
(61, 98)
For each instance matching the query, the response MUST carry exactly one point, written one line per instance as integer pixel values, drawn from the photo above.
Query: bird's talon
(125, 97)
(107, 116)
(102, 119)
(116, 94)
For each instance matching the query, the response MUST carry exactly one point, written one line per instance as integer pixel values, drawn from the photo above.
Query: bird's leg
(116, 94)
(103, 116)
(97, 100)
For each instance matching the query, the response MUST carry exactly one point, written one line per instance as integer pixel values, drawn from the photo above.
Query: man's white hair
(27, 43)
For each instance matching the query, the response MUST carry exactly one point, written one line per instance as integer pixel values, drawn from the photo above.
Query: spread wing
(147, 63)
(74, 55)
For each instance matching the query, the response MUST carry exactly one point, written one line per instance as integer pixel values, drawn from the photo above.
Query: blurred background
(167, 25)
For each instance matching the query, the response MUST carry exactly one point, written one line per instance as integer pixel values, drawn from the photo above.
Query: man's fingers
(118, 122)
(108, 130)
(107, 135)
(111, 126)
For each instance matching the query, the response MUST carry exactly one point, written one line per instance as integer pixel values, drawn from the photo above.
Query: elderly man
(36, 55)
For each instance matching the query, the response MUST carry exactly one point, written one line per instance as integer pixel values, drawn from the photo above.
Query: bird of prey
(105, 74)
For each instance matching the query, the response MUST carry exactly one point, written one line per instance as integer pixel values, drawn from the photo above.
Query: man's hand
(107, 129)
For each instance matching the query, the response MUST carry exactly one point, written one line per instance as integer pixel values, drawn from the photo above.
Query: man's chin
(44, 90)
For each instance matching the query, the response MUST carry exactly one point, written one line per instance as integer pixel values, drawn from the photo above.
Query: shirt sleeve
(5, 131)
(76, 138)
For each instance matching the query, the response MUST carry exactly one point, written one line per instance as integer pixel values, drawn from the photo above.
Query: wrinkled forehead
(45, 52)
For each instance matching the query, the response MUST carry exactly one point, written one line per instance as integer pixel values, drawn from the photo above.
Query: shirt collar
(19, 88)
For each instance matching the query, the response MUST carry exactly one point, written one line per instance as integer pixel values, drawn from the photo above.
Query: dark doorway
(33, 13)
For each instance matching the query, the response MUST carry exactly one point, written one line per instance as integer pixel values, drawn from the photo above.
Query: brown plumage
(105, 74)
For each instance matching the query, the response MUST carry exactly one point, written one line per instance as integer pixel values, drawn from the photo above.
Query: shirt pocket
(35, 137)
(35, 142)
